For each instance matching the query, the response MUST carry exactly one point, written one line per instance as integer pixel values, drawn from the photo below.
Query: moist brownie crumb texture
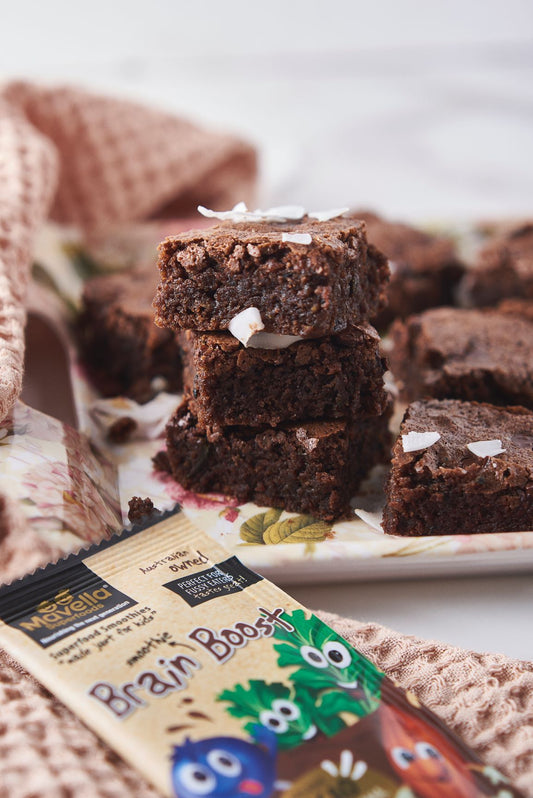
(297, 426)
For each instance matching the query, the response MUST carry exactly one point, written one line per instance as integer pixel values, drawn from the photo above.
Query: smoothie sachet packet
(212, 681)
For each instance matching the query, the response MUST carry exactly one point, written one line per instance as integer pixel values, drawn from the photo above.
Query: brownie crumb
(161, 462)
(121, 430)
(140, 509)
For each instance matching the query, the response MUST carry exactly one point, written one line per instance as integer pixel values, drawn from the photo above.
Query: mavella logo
(52, 613)
(64, 604)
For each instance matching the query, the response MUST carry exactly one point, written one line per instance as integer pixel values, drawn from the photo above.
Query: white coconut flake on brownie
(266, 340)
(325, 216)
(296, 238)
(240, 213)
(372, 519)
(416, 441)
(245, 324)
(486, 448)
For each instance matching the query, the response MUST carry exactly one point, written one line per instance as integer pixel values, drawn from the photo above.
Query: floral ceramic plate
(74, 486)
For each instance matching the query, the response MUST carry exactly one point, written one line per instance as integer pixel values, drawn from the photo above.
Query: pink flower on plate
(80, 450)
(229, 514)
(198, 501)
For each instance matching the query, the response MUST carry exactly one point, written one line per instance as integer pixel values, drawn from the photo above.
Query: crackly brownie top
(408, 248)
(130, 292)
(238, 246)
(450, 461)
(460, 341)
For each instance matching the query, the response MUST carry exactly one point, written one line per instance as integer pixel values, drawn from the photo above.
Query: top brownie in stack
(425, 268)
(208, 277)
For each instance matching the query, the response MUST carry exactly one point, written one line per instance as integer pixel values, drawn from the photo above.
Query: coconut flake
(415, 441)
(266, 340)
(325, 216)
(240, 213)
(285, 212)
(296, 238)
(245, 324)
(307, 442)
(372, 519)
(486, 448)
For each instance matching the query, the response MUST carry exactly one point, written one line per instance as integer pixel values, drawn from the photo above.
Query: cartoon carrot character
(424, 758)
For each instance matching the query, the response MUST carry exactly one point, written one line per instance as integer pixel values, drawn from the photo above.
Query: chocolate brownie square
(309, 289)
(334, 377)
(123, 350)
(425, 269)
(310, 467)
(504, 269)
(482, 355)
(447, 488)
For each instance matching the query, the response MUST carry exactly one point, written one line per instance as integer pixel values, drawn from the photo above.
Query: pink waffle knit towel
(95, 162)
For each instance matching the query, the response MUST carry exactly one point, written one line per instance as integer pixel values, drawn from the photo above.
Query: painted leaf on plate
(299, 529)
(252, 531)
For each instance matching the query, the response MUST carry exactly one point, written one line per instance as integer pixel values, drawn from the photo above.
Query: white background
(422, 110)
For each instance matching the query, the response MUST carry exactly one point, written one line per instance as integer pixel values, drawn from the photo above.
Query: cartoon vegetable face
(287, 712)
(423, 757)
(327, 662)
(225, 767)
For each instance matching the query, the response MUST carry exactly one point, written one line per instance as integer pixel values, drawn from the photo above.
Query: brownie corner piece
(310, 289)
(121, 347)
(473, 473)
(310, 467)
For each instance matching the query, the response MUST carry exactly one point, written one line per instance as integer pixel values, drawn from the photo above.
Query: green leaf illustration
(252, 531)
(298, 529)
(326, 664)
(284, 710)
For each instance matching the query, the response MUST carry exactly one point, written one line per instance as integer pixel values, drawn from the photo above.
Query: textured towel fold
(95, 162)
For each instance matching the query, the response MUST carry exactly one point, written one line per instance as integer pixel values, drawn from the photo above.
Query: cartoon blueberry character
(326, 662)
(289, 712)
(225, 767)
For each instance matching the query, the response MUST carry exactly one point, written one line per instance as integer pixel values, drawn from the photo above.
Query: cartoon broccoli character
(291, 713)
(327, 663)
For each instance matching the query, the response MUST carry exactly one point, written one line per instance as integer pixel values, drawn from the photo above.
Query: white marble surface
(422, 110)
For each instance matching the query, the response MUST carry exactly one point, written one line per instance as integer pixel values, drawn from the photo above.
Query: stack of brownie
(284, 397)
